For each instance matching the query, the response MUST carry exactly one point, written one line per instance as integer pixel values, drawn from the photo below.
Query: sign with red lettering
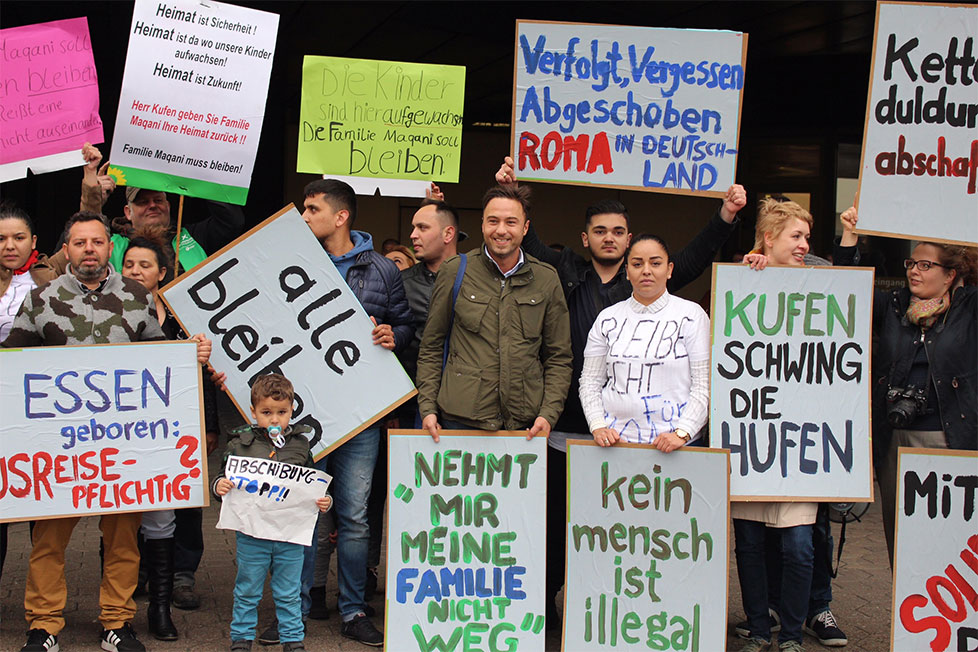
(919, 173)
(935, 561)
(100, 429)
(638, 108)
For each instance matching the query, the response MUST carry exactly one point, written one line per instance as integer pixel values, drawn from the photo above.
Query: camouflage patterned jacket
(66, 312)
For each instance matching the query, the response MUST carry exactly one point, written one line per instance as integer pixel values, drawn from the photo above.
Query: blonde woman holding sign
(781, 238)
(646, 369)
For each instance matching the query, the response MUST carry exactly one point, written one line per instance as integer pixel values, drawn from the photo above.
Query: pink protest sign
(48, 97)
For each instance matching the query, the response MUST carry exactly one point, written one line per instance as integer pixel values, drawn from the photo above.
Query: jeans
(375, 508)
(823, 545)
(255, 558)
(796, 577)
(352, 468)
(188, 545)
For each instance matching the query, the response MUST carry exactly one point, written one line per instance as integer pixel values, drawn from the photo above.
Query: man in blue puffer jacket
(330, 210)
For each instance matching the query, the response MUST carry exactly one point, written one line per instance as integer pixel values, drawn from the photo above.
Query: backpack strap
(462, 263)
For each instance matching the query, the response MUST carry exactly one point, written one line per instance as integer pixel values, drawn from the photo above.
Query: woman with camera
(926, 363)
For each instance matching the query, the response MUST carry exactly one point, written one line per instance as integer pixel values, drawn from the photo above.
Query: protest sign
(637, 108)
(272, 500)
(50, 97)
(935, 561)
(466, 543)
(790, 381)
(647, 548)
(193, 98)
(919, 165)
(384, 119)
(272, 301)
(100, 429)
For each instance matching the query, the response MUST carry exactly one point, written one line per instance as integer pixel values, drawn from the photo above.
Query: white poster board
(465, 532)
(935, 561)
(637, 108)
(790, 381)
(272, 500)
(920, 143)
(647, 548)
(272, 301)
(193, 98)
(100, 429)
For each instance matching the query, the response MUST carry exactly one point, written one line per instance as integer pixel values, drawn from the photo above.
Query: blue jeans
(352, 468)
(255, 558)
(796, 577)
(189, 545)
(821, 594)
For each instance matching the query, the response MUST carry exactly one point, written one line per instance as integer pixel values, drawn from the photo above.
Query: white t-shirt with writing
(656, 358)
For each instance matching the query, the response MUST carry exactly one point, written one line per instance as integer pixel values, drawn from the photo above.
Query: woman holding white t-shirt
(646, 369)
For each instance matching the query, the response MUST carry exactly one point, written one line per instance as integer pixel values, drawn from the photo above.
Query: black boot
(159, 555)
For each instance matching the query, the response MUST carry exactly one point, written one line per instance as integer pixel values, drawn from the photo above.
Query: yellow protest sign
(382, 119)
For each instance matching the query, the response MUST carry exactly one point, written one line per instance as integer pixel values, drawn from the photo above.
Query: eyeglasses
(924, 265)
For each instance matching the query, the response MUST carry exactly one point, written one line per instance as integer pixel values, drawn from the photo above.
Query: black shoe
(743, 631)
(362, 630)
(824, 627)
(122, 639)
(370, 589)
(185, 598)
(318, 609)
(241, 645)
(270, 635)
(159, 558)
(38, 640)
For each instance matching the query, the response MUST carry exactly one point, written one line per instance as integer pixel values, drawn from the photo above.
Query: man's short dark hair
(339, 195)
(274, 386)
(605, 207)
(444, 211)
(85, 216)
(519, 194)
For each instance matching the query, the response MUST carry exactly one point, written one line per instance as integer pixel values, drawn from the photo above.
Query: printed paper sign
(384, 119)
(647, 548)
(920, 148)
(100, 429)
(272, 500)
(50, 97)
(638, 108)
(193, 98)
(272, 301)
(790, 381)
(466, 542)
(935, 578)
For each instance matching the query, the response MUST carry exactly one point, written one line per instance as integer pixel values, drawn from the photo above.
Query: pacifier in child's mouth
(275, 434)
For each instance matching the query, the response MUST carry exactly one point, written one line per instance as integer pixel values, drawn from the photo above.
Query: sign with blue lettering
(790, 381)
(919, 174)
(638, 108)
(100, 429)
(272, 301)
(935, 559)
(466, 541)
(272, 500)
(647, 548)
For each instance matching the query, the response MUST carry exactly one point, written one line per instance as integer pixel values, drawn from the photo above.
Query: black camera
(904, 405)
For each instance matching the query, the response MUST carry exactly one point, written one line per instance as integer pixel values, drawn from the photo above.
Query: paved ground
(861, 592)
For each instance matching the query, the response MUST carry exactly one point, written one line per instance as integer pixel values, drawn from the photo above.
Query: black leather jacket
(952, 354)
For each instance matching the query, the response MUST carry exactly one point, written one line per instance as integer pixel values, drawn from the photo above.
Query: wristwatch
(685, 436)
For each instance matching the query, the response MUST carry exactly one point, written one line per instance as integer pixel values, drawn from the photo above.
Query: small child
(269, 437)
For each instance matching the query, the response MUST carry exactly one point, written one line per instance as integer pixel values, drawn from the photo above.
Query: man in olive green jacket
(509, 356)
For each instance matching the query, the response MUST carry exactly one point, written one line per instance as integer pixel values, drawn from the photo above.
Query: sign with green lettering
(381, 119)
(790, 381)
(647, 548)
(466, 542)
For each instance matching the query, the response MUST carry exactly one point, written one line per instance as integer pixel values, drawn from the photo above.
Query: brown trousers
(47, 592)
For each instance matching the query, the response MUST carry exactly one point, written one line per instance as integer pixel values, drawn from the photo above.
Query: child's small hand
(324, 503)
(223, 486)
